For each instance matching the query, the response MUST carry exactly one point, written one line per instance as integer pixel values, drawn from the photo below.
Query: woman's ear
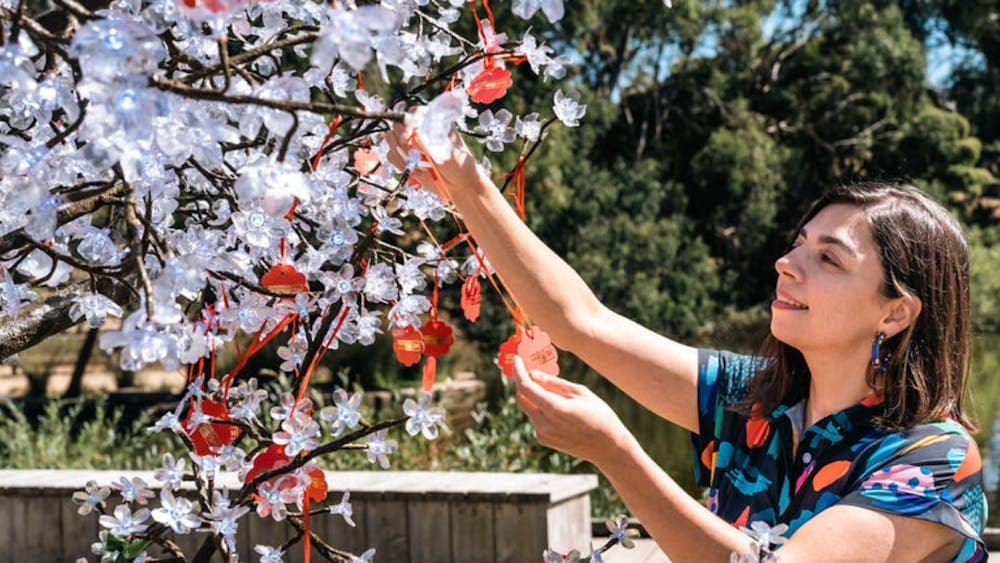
(901, 312)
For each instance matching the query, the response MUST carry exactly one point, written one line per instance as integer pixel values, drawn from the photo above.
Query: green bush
(67, 437)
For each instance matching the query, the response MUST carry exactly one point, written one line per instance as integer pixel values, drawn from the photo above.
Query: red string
(305, 526)
(334, 124)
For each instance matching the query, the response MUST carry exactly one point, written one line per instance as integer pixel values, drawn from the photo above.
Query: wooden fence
(407, 516)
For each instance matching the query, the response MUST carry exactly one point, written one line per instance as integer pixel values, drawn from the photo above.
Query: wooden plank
(521, 533)
(22, 542)
(387, 530)
(78, 532)
(568, 524)
(429, 528)
(472, 532)
(8, 520)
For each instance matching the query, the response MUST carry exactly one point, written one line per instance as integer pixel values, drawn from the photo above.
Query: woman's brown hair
(923, 254)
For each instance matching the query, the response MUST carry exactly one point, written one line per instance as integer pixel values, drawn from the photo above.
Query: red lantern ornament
(472, 298)
(489, 85)
(284, 279)
(366, 160)
(438, 338)
(210, 435)
(408, 344)
(537, 351)
(507, 352)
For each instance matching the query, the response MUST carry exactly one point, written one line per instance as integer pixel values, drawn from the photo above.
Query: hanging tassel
(430, 373)
(307, 545)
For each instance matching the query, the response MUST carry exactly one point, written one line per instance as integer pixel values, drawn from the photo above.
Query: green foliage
(984, 251)
(70, 437)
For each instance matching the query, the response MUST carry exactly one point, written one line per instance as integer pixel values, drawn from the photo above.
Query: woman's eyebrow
(830, 239)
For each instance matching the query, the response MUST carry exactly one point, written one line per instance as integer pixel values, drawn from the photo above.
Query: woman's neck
(835, 384)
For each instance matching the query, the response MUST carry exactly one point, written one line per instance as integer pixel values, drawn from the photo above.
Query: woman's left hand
(567, 416)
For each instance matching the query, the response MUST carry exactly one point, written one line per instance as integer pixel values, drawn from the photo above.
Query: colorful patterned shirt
(767, 468)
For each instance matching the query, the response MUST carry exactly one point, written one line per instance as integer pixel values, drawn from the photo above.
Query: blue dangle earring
(879, 364)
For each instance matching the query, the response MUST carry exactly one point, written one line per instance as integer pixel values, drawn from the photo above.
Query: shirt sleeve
(724, 380)
(934, 473)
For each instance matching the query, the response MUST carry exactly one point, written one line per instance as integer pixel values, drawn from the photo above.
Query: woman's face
(828, 296)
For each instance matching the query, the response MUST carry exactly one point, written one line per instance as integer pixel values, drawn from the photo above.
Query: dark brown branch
(182, 89)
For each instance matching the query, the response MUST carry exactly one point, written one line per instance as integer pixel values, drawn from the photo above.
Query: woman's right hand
(456, 172)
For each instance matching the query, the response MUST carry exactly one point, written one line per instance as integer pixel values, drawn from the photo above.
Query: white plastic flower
(176, 513)
(298, 434)
(525, 9)
(619, 530)
(344, 415)
(345, 509)
(765, 534)
(269, 554)
(365, 557)
(380, 447)
(123, 522)
(172, 473)
(495, 130)
(568, 109)
(424, 418)
(95, 307)
(91, 497)
(435, 122)
(529, 127)
(135, 489)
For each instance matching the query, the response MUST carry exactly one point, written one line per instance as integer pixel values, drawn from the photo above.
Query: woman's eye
(829, 259)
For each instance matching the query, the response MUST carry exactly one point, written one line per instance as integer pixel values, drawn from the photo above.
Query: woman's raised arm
(658, 372)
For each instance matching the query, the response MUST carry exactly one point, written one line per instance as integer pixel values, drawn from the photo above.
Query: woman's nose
(784, 266)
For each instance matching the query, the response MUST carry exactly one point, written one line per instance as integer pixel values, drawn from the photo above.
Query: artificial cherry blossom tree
(203, 168)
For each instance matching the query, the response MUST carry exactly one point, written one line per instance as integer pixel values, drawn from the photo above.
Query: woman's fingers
(555, 384)
(528, 388)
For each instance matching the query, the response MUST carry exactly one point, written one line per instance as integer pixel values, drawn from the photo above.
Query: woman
(851, 432)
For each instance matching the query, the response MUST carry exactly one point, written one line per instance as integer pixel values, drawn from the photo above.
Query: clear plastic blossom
(380, 447)
(123, 522)
(133, 490)
(344, 509)
(424, 417)
(95, 307)
(366, 557)
(298, 434)
(529, 127)
(765, 534)
(568, 109)
(223, 518)
(344, 414)
(435, 123)
(495, 130)
(176, 513)
(620, 530)
(525, 9)
(171, 473)
(269, 554)
(90, 498)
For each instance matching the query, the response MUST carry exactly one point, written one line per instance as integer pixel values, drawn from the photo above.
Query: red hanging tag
(366, 160)
(284, 279)
(508, 350)
(408, 344)
(209, 435)
(430, 373)
(489, 85)
(438, 338)
(537, 351)
(472, 298)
